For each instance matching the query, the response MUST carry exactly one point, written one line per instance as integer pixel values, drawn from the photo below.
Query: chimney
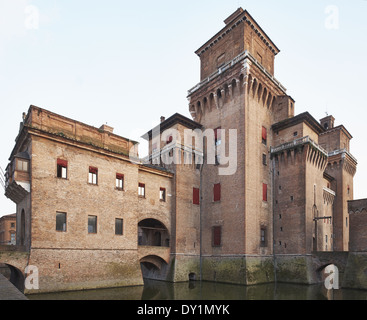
(163, 119)
(106, 128)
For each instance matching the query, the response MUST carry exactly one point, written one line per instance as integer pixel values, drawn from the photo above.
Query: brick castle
(92, 214)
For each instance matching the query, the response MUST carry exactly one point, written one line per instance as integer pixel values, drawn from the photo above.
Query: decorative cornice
(244, 17)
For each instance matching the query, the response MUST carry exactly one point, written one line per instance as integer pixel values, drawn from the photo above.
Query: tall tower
(238, 91)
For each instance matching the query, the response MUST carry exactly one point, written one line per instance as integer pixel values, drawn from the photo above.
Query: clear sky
(126, 63)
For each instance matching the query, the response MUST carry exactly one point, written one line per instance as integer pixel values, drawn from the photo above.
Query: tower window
(119, 181)
(217, 236)
(216, 191)
(264, 135)
(93, 175)
(162, 194)
(263, 237)
(62, 168)
(265, 192)
(141, 190)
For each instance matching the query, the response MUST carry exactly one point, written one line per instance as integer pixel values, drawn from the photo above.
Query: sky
(126, 63)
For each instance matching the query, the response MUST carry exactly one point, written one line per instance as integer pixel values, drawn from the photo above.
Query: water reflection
(156, 290)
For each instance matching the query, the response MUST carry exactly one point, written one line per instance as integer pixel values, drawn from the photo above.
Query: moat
(156, 290)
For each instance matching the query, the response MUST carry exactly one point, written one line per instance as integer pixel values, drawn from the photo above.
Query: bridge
(16, 258)
(320, 260)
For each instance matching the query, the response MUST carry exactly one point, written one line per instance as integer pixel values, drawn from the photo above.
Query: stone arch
(153, 267)
(150, 231)
(254, 87)
(259, 92)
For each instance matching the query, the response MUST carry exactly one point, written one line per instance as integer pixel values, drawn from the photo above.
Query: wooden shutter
(196, 196)
(62, 163)
(216, 191)
(264, 134)
(265, 192)
(217, 236)
(93, 170)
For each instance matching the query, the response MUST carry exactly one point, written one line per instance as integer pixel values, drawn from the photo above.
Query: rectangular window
(92, 224)
(265, 192)
(264, 159)
(93, 175)
(264, 135)
(217, 236)
(61, 221)
(62, 169)
(119, 181)
(22, 165)
(119, 224)
(162, 194)
(218, 136)
(263, 237)
(141, 190)
(196, 196)
(216, 191)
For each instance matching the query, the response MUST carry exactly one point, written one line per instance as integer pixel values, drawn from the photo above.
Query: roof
(232, 21)
(171, 121)
(303, 117)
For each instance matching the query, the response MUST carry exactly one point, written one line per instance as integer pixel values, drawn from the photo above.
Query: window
(263, 237)
(217, 236)
(346, 222)
(216, 191)
(22, 165)
(218, 142)
(119, 224)
(217, 136)
(264, 135)
(93, 175)
(265, 192)
(61, 221)
(12, 238)
(162, 194)
(196, 196)
(264, 159)
(62, 168)
(92, 224)
(12, 225)
(141, 190)
(295, 134)
(120, 181)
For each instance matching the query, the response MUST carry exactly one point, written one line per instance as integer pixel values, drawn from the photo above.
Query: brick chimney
(106, 128)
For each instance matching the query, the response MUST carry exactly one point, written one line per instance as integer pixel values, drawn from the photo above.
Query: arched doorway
(153, 233)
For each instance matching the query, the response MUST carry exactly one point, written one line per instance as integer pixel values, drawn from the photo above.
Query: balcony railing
(298, 142)
(244, 55)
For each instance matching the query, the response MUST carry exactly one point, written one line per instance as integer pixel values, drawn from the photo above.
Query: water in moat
(156, 290)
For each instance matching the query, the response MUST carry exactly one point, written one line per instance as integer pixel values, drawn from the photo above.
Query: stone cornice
(244, 17)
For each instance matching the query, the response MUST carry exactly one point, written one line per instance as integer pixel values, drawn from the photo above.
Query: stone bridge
(320, 260)
(16, 258)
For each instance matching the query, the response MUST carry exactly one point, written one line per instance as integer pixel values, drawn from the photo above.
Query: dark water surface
(156, 290)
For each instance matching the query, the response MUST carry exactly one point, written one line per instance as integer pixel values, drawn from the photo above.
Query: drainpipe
(201, 212)
(273, 191)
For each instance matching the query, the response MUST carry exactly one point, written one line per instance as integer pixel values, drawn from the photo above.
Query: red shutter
(216, 191)
(119, 176)
(62, 163)
(169, 139)
(93, 170)
(265, 192)
(264, 134)
(217, 236)
(196, 196)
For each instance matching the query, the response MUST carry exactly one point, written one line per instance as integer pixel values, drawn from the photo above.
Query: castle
(221, 196)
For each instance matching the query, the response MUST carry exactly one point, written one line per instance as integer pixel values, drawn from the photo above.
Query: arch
(264, 97)
(259, 92)
(254, 87)
(153, 267)
(152, 232)
(16, 277)
(211, 101)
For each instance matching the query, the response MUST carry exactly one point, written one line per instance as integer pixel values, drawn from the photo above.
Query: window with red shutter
(62, 168)
(93, 175)
(196, 196)
(119, 181)
(216, 191)
(265, 192)
(264, 135)
(217, 236)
